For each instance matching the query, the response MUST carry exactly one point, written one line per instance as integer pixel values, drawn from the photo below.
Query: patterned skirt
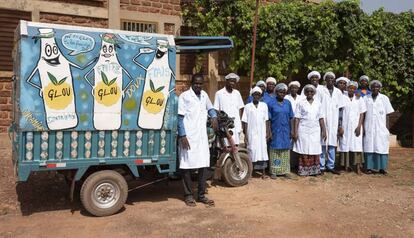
(279, 161)
(309, 165)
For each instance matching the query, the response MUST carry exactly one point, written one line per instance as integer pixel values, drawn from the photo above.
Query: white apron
(195, 112)
(256, 130)
(309, 131)
(376, 132)
(293, 101)
(331, 105)
(230, 103)
(350, 119)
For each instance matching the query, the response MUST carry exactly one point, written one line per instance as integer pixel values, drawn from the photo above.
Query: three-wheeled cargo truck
(97, 104)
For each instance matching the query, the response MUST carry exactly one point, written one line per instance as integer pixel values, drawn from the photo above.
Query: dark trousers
(202, 178)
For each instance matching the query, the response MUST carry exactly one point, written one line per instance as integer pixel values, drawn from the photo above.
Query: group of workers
(283, 128)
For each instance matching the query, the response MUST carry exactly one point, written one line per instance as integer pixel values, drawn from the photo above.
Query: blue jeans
(330, 163)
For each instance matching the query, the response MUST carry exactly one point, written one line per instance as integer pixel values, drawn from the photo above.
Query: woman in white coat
(308, 130)
(350, 142)
(256, 128)
(376, 143)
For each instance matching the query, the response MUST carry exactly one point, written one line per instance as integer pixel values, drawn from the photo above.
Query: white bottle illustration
(107, 89)
(156, 88)
(56, 83)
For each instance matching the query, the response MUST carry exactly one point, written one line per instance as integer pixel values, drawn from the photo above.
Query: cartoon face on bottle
(56, 83)
(107, 90)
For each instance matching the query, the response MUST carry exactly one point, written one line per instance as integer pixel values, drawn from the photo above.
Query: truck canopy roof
(201, 44)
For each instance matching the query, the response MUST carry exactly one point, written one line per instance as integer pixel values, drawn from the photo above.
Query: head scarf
(281, 86)
(261, 82)
(255, 89)
(342, 79)
(328, 74)
(232, 76)
(364, 77)
(375, 82)
(271, 80)
(352, 83)
(309, 86)
(294, 83)
(314, 73)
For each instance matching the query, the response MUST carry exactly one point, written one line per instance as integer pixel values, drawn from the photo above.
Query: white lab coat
(195, 111)
(230, 103)
(350, 120)
(309, 131)
(293, 101)
(331, 104)
(256, 118)
(376, 132)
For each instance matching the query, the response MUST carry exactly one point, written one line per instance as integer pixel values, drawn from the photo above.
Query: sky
(389, 5)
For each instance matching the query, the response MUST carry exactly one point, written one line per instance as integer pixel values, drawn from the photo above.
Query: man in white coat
(333, 103)
(229, 100)
(193, 107)
(376, 141)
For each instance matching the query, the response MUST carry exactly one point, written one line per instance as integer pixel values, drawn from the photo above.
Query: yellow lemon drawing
(107, 95)
(58, 96)
(153, 102)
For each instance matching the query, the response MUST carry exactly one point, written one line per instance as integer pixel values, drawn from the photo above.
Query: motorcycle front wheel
(234, 176)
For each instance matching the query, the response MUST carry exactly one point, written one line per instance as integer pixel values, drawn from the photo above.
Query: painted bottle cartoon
(156, 88)
(56, 87)
(107, 88)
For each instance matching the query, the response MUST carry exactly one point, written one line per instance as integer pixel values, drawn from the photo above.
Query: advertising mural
(87, 79)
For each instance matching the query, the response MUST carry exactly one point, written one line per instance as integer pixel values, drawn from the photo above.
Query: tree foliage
(294, 37)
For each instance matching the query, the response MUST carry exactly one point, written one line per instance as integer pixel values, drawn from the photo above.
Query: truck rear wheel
(104, 193)
(234, 176)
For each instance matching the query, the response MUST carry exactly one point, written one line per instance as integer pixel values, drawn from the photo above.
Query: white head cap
(261, 82)
(255, 89)
(314, 73)
(364, 77)
(281, 86)
(232, 76)
(271, 80)
(342, 79)
(294, 83)
(375, 82)
(352, 83)
(328, 74)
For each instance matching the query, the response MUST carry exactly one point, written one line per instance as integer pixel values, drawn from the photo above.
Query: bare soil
(330, 206)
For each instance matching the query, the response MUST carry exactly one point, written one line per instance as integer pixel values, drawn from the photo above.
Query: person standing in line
(193, 107)
(229, 100)
(293, 95)
(350, 142)
(256, 128)
(281, 115)
(293, 98)
(363, 86)
(376, 141)
(333, 104)
(262, 85)
(308, 130)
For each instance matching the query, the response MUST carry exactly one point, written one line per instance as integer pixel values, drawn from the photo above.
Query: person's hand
(340, 131)
(269, 135)
(294, 137)
(324, 135)
(358, 131)
(185, 145)
(214, 124)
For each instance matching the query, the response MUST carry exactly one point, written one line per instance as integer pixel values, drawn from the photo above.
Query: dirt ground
(330, 206)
